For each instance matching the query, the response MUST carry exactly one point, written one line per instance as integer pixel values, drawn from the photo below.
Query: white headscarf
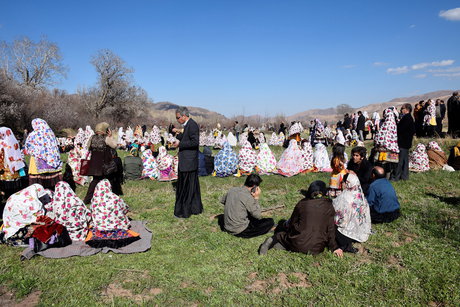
(13, 158)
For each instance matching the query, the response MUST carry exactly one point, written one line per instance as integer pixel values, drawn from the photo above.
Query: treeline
(29, 70)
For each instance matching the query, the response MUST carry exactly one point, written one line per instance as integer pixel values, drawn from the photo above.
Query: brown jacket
(311, 227)
(437, 158)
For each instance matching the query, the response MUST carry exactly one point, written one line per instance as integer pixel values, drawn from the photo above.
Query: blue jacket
(382, 196)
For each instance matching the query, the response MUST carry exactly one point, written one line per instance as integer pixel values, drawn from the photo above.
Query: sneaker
(264, 247)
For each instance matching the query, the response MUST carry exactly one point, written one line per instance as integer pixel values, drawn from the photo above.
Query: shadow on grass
(454, 201)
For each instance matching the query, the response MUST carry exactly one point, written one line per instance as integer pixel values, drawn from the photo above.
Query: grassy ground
(413, 261)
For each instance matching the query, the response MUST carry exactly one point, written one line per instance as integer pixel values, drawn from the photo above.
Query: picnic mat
(78, 248)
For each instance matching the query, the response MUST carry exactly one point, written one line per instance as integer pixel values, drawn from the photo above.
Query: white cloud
(412, 26)
(420, 76)
(380, 64)
(445, 70)
(453, 14)
(398, 70)
(449, 75)
(348, 66)
(435, 64)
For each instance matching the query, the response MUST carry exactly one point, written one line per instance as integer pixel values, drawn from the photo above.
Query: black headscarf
(316, 189)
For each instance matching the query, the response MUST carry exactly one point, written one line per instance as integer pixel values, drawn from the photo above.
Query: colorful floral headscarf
(70, 211)
(273, 139)
(387, 136)
(266, 161)
(418, 160)
(80, 137)
(339, 138)
(150, 166)
(164, 159)
(430, 113)
(290, 163)
(226, 161)
(352, 214)
(434, 146)
(108, 210)
(319, 128)
(22, 209)
(307, 156)
(42, 144)
(155, 137)
(247, 158)
(13, 158)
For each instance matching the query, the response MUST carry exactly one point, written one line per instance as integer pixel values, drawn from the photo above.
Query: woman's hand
(339, 253)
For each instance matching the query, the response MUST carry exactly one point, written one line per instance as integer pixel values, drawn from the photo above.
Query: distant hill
(331, 115)
(164, 113)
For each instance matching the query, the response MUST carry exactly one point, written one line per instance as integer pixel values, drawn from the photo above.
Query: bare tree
(113, 81)
(34, 64)
(343, 108)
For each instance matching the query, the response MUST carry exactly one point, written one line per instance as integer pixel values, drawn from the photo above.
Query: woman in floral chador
(352, 215)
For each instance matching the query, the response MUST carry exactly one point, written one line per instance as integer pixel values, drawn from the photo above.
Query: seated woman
(361, 167)
(290, 162)
(132, 165)
(321, 158)
(311, 226)
(266, 161)
(338, 164)
(247, 159)
(69, 211)
(436, 156)
(352, 215)
(454, 157)
(307, 156)
(149, 166)
(45, 160)
(273, 140)
(75, 156)
(111, 226)
(167, 164)
(225, 162)
(418, 160)
(22, 209)
(11, 165)
(205, 162)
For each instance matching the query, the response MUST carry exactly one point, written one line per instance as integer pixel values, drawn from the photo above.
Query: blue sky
(254, 57)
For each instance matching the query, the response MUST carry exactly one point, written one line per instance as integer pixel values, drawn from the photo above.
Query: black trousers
(345, 243)
(387, 217)
(256, 228)
(188, 195)
(402, 170)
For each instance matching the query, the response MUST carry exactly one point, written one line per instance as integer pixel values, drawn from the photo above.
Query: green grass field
(413, 261)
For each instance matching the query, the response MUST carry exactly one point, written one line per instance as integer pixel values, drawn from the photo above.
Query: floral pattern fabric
(290, 162)
(150, 166)
(307, 156)
(12, 155)
(74, 160)
(226, 161)
(418, 160)
(321, 158)
(70, 211)
(266, 161)
(108, 210)
(387, 137)
(22, 209)
(247, 158)
(42, 144)
(352, 213)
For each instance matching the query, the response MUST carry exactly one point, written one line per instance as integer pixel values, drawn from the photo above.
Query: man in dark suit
(188, 196)
(361, 125)
(406, 131)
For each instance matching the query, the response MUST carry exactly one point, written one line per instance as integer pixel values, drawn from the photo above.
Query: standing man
(188, 196)
(440, 114)
(406, 131)
(360, 125)
(453, 115)
(237, 129)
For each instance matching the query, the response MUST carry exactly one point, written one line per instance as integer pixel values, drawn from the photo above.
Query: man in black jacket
(453, 115)
(360, 126)
(188, 196)
(406, 131)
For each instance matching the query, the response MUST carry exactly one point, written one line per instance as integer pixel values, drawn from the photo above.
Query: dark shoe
(351, 249)
(264, 247)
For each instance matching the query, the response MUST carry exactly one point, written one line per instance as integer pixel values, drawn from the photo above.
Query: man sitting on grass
(242, 213)
(382, 199)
